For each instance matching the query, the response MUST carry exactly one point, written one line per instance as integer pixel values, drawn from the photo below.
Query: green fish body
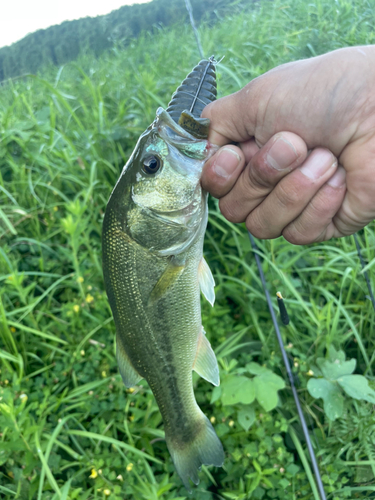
(154, 271)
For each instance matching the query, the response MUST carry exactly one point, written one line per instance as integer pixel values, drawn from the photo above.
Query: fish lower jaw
(181, 216)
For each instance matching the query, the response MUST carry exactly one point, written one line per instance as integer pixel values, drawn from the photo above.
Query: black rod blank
(310, 448)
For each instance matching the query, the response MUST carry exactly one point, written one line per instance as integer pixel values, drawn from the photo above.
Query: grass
(68, 427)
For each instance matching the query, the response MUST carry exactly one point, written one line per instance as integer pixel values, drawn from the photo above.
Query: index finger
(227, 120)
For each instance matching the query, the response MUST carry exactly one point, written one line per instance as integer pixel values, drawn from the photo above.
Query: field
(68, 427)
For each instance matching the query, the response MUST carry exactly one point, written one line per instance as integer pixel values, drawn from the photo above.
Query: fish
(154, 270)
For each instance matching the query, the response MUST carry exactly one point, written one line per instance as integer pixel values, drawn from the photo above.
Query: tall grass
(68, 428)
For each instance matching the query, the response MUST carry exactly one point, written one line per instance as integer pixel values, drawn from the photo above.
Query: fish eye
(151, 164)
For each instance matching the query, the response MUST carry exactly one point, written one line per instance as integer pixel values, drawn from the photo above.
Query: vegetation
(68, 427)
(65, 42)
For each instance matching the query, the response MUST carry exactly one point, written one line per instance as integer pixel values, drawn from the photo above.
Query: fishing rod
(289, 372)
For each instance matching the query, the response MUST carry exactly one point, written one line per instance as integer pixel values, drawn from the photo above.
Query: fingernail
(338, 179)
(281, 154)
(226, 162)
(318, 163)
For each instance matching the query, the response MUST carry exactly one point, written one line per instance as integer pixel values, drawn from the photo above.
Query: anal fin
(205, 363)
(129, 375)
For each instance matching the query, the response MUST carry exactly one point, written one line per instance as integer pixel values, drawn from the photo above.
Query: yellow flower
(212, 420)
(80, 279)
(107, 492)
(82, 352)
(89, 298)
(12, 329)
(231, 423)
(76, 308)
(129, 467)
(55, 209)
(104, 373)
(93, 474)
(310, 373)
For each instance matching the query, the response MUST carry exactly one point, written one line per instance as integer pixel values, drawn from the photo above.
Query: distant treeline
(64, 42)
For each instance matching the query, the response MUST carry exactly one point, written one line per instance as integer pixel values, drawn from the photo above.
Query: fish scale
(153, 267)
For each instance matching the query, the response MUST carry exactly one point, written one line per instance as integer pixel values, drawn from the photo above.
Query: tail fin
(204, 448)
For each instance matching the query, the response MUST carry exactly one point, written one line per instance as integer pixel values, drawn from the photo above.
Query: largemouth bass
(154, 270)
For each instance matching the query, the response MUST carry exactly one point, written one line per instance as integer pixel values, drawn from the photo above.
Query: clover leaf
(356, 386)
(263, 387)
(331, 395)
(237, 390)
(332, 370)
(338, 374)
(266, 386)
(246, 417)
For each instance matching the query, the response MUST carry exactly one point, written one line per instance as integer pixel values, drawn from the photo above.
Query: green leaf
(237, 390)
(356, 386)
(332, 370)
(331, 395)
(266, 387)
(256, 369)
(333, 355)
(216, 393)
(246, 417)
(292, 469)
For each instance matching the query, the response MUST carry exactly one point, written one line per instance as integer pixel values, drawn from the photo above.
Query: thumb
(232, 118)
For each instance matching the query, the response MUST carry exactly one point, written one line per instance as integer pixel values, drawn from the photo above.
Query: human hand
(326, 105)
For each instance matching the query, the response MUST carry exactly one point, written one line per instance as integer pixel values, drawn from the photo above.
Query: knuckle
(288, 195)
(258, 176)
(298, 234)
(295, 237)
(230, 211)
(258, 228)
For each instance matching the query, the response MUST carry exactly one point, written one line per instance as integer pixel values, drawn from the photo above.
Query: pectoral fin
(205, 363)
(171, 274)
(206, 281)
(129, 375)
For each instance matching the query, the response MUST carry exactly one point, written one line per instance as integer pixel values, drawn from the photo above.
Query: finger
(222, 170)
(358, 207)
(250, 149)
(231, 118)
(281, 154)
(291, 195)
(315, 223)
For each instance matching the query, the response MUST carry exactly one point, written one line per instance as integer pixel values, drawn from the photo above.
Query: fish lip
(183, 211)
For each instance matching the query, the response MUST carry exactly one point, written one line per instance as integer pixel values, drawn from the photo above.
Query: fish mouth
(183, 215)
(196, 91)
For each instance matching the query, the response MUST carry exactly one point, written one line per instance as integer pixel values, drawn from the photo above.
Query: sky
(20, 17)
